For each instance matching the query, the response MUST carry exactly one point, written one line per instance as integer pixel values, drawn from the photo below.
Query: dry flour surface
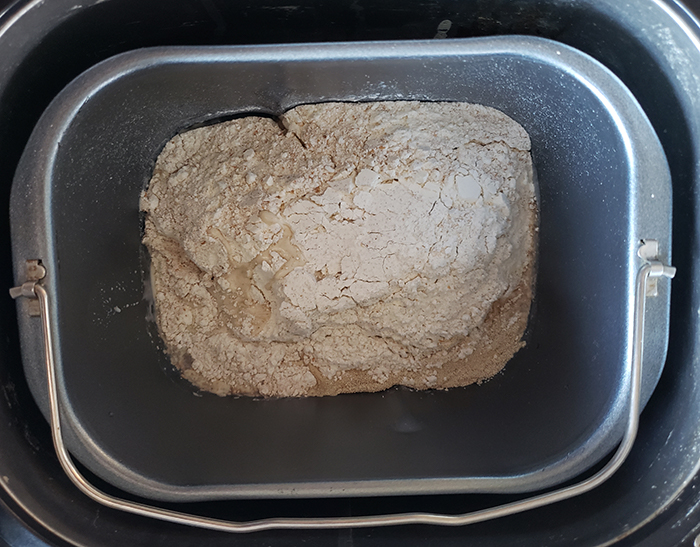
(352, 247)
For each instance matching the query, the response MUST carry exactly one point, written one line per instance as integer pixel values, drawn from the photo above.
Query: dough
(349, 247)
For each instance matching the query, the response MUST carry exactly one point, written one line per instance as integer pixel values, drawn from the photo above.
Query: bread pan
(555, 410)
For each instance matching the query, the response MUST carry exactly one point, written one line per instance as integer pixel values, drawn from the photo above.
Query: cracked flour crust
(358, 247)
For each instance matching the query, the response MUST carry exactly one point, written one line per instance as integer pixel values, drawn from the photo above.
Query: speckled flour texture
(351, 247)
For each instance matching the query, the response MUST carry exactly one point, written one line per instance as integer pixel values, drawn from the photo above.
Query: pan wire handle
(651, 269)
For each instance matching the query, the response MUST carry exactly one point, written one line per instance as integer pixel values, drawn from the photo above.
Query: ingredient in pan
(350, 247)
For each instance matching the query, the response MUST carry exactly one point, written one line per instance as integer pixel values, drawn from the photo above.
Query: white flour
(367, 245)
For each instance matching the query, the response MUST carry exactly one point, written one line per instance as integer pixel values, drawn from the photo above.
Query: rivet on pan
(35, 270)
(35, 273)
(649, 252)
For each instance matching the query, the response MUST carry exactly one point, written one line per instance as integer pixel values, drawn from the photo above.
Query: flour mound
(350, 247)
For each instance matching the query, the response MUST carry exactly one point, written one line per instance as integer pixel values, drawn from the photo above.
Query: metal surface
(558, 408)
(653, 501)
(651, 270)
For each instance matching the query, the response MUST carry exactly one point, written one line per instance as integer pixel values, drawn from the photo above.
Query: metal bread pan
(555, 410)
